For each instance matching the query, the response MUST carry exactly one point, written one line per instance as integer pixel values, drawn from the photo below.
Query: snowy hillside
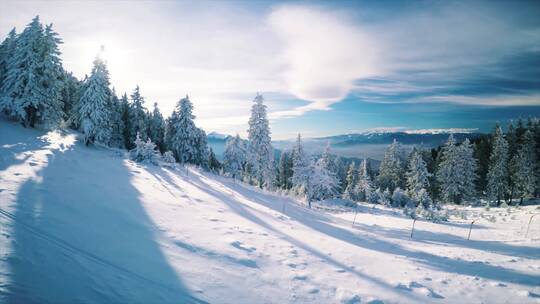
(84, 224)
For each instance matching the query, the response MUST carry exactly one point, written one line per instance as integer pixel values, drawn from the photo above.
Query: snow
(87, 225)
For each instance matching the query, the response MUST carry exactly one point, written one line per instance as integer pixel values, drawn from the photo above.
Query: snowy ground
(85, 225)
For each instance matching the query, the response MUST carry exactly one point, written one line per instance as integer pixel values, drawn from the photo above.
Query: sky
(324, 68)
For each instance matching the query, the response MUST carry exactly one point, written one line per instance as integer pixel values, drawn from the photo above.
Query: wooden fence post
(470, 228)
(529, 225)
(412, 230)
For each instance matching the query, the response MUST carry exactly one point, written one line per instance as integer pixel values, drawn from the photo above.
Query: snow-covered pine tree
(301, 167)
(498, 167)
(93, 107)
(399, 198)
(327, 163)
(524, 164)
(144, 152)
(116, 123)
(467, 167)
(213, 163)
(260, 151)
(71, 93)
(341, 173)
(448, 172)
(138, 116)
(417, 175)
(157, 128)
(31, 89)
(391, 170)
(364, 185)
(168, 158)
(186, 140)
(284, 170)
(125, 110)
(7, 51)
(321, 182)
(351, 180)
(234, 158)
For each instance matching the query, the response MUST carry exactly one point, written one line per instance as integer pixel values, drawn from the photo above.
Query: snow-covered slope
(85, 225)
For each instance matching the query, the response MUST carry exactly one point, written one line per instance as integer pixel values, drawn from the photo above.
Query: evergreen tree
(213, 163)
(321, 182)
(392, 168)
(71, 93)
(524, 165)
(448, 173)
(327, 163)
(260, 152)
(144, 152)
(468, 166)
(7, 51)
(341, 173)
(31, 89)
(352, 175)
(186, 140)
(138, 116)
(234, 157)
(125, 111)
(301, 167)
(285, 170)
(116, 123)
(93, 107)
(364, 185)
(157, 128)
(498, 167)
(417, 175)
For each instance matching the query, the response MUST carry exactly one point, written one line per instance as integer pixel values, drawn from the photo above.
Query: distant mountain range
(369, 144)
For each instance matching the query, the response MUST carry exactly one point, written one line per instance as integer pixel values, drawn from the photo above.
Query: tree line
(35, 90)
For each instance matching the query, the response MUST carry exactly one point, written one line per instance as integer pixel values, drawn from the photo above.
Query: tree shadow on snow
(81, 235)
(322, 223)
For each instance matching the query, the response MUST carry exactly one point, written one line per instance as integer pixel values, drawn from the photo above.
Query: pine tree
(417, 175)
(364, 185)
(126, 122)
(213, 163)
(301, 167)
(138, 116)
(93, 107)
(116, 123)
(448, 172)
(468, 166)
(285, 170)
(71, 93)
(144, 152)
(260, 151)
(168, 158)
(7, 51)
(157, 128)
(234, 157)
(392, 168)
(498, 168)
(321, 182)
(31, 89)
(352, 175)
(341, 173)
(186, 140)
(525, 165)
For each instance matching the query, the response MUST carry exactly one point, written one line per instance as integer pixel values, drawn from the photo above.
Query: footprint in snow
(238, 245)
(300, 277)
(419, 288)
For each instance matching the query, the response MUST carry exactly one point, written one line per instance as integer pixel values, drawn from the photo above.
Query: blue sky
(324, 67)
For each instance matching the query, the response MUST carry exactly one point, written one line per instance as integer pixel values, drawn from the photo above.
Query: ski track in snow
(84, 224)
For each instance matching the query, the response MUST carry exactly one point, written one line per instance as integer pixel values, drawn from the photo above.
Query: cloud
(323, 53)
